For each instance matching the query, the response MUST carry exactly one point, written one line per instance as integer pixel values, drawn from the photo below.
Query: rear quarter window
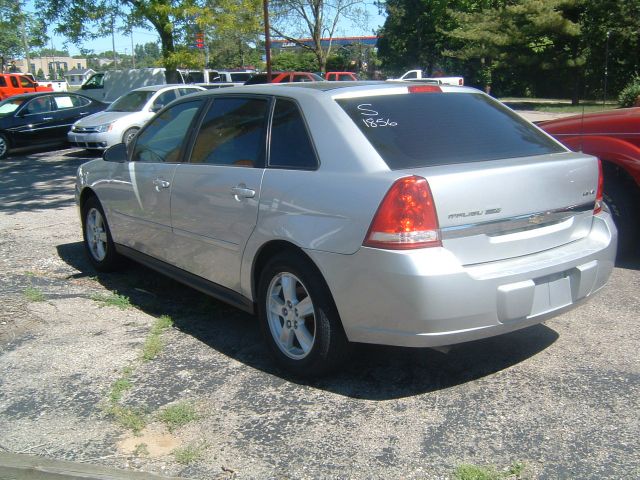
(428, 129)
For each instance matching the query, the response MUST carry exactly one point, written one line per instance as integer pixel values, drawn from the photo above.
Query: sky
(142, 36)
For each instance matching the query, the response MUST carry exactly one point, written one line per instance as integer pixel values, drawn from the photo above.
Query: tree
(294, 20)
(19, 31)
(173, 21)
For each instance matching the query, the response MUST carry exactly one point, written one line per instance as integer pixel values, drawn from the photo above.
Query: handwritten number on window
(370, 121)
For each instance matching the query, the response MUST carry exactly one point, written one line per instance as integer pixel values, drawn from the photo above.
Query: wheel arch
(85, 194)
(268, 251)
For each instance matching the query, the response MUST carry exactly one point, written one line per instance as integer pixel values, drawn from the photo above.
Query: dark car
(614, 137)
(284, 77)
(41, 118)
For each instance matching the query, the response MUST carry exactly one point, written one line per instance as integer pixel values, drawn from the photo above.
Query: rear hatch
(501, 187)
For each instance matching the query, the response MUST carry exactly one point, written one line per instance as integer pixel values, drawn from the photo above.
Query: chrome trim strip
(516, 224)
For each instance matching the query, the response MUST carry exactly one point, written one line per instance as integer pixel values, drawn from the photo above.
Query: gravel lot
(561, 397)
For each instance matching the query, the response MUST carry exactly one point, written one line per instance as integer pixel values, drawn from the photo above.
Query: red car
(614, 137)
(341, 76)
(15, 84)
(284, 77)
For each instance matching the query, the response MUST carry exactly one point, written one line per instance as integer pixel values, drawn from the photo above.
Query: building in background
(77, 76)
(53, 68)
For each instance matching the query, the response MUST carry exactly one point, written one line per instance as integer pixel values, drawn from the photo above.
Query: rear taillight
(598, 206)
(461, 82)
(406, 218)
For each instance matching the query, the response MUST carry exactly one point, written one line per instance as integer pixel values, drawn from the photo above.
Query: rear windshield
(427, 129)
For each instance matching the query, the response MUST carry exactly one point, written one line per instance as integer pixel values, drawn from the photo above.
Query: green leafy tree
(295, 61)
(20, 31)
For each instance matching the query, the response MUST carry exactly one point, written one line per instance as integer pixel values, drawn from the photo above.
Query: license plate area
(551, 293)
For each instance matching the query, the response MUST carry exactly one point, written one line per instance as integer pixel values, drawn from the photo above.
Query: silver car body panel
(519, 238)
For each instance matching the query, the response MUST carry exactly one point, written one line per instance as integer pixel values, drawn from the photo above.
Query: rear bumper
(425, 297)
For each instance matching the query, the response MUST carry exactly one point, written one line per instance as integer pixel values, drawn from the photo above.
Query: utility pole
(25, 38)
(113, 40)
(267, 38)
(133, 52)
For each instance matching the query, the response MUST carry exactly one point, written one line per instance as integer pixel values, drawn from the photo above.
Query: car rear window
(427, 129)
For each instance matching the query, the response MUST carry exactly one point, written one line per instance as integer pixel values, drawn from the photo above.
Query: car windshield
(7, 107)
(426, 129)
(131, 102)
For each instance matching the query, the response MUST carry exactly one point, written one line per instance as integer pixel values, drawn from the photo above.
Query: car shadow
(50, 174)
(373, 372)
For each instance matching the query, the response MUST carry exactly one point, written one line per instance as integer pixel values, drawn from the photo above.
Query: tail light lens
(598, 205)
(406, 218)
(424, 89)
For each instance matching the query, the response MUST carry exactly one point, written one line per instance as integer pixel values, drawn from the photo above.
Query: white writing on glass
(366, 110)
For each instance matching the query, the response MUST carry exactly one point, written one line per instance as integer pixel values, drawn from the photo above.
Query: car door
(139, 191)
(35, 122)
(67, 109)
(214, 197)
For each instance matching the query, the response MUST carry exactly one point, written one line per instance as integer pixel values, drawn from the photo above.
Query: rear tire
(298, 317)
(622, 199)
(97, 237)
(4, 146)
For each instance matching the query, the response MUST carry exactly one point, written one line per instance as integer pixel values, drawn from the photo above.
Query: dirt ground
(562, 397)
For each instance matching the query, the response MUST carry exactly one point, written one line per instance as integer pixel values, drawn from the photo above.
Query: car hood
(101, 118)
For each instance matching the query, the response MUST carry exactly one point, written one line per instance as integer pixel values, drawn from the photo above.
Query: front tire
(129, 135)
(97, 237)
(4, 146)
(298, 317)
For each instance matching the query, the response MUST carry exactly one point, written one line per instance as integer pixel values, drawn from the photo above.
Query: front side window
(162, 139)
(38, 105)
(232, 133)
(290, 143)
(26, 83)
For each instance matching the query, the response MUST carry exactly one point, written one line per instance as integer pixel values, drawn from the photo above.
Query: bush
(630, 94)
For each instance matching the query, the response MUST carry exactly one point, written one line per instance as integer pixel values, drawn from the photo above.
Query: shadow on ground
(34, 181)
(374, 372)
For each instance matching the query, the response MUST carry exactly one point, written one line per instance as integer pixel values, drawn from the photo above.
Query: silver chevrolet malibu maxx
(400, 214)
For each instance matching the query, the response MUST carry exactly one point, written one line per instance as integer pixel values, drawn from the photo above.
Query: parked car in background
(14, 84)
(340, 76)
(613, 137)
(417, 75)
(124, 117)
(398, 214)
(41, 118)
(107, 86)
(209, 79)
(284, 77)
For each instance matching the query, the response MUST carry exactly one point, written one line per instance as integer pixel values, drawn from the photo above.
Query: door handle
(161, 183)
(241, 191)
(47, 118)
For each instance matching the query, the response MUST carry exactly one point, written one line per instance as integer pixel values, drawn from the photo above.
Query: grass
(114, 300)
(188, 454)
(558, 106)
(474, 472)
(175, 416)
(34, 294)
(121, 385)
(129, 418)
(153, 344)
(141, 450)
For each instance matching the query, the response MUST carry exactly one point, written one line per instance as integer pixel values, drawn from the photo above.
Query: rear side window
(232, 133)
(426, 129)
(39, 105)
(3, 82)
(290, 143)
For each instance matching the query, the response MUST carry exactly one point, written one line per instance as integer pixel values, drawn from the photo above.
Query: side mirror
(116, 153)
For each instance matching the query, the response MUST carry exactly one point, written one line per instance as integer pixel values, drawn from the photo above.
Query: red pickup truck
(614, 137)
(15, 83)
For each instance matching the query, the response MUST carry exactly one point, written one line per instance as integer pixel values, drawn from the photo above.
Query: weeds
(175, 416)
(34, 294)
(474, 472)
(114, 300)
(132, 419)
(153, 344)
(189, 454)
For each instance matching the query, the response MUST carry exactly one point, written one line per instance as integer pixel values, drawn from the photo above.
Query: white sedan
(124, 117)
